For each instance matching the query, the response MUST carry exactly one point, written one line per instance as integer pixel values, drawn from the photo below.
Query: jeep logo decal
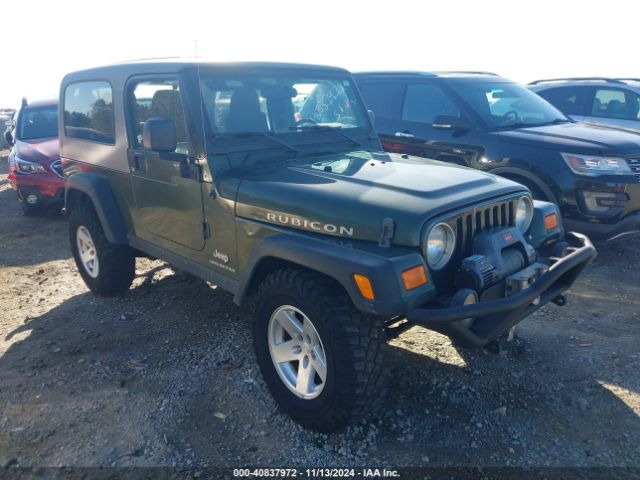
(223, 257)
(283, 219)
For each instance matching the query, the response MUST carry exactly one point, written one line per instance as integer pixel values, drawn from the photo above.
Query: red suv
(34, 162)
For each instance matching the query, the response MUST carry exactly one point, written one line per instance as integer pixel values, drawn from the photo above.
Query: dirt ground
(166, 376)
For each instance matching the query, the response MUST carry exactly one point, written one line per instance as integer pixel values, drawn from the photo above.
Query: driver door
(414, 133)
(168, 198)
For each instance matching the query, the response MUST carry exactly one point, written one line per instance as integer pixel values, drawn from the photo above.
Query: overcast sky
(42, 40)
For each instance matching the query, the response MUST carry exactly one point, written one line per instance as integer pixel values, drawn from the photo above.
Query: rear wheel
(107, 269)
(321, 358)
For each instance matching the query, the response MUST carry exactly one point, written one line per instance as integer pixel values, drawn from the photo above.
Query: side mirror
(372, 117)
(449, 122)
(159, 134)
(8, 137)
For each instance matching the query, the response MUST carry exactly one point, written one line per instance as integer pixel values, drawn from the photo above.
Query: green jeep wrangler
(269, 181)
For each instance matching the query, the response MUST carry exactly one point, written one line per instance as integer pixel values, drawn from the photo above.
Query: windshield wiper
(516, 125)
(328, 127)
(268, 135)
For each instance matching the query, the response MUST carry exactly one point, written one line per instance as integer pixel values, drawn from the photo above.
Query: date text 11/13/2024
(315, 473)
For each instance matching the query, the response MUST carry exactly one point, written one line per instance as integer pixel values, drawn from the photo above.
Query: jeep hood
(350, 195)
(43, 151)
(576, 138)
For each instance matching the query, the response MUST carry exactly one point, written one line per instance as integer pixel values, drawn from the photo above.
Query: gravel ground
(167, 377)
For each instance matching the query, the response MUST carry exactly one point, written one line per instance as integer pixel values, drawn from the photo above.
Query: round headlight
(441, 243)
(524, 213)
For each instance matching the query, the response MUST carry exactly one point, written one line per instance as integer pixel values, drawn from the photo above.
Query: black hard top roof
(167, 65)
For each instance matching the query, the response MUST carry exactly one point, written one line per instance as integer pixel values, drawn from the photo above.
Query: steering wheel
(510, 117)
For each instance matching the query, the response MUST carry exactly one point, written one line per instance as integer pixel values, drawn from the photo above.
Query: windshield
(508, 105)
(271, 103)
(38, 122)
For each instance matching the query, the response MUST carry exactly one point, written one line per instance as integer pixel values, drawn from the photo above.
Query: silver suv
(603, 101)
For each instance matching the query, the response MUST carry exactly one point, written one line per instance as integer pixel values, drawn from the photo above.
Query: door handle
(139, 163)
(405, 134)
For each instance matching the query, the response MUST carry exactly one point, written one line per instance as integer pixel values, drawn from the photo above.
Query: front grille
(57, 168)
(476, 220)
(634, 165)
(467, 224)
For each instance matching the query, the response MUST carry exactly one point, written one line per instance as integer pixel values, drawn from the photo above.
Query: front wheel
(106, 268)
(321, 359)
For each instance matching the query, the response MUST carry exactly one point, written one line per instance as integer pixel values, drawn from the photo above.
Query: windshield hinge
(387, 231)
(206, 230)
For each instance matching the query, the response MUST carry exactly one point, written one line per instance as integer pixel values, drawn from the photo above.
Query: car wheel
(107, 269)
(321, 358)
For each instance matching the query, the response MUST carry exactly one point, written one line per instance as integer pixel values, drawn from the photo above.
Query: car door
(614, 106)
(417, 131)
(168, 197)
(384, 99)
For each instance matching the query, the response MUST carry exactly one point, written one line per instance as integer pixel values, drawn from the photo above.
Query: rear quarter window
(88, 112)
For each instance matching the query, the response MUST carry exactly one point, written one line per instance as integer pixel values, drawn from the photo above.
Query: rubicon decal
(307, 224)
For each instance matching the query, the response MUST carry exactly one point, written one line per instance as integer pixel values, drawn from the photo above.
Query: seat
(167, 103)
(616, 109)
(244, 112)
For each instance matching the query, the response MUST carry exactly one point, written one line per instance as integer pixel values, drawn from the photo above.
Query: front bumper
(493, 317)
(44, 198)
(607, 232)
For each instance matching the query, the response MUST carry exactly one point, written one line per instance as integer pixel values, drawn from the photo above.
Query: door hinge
(196, 172)
(206, 230)
(192, 169)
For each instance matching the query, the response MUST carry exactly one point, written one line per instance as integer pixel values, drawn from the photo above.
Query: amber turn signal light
(364, 285)
(551, 222)
(414, 277)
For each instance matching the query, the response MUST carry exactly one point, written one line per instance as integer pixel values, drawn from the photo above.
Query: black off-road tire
(354, 343)
(117, 262)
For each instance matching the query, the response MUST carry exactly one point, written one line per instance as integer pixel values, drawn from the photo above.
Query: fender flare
(335, 261)
(527, 175)
(98, 189)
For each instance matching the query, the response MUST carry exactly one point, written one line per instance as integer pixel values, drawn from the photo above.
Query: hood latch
(387, 231)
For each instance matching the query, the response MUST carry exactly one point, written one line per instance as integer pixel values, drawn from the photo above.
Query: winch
(497, 254)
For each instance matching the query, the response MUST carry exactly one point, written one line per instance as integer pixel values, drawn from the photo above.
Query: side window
(569, 100)
(382, 98)
(157, 98)
(614, 103)
(423, 103)
(88, 112)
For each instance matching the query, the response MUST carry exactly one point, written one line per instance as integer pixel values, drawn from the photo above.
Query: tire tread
(360, 338)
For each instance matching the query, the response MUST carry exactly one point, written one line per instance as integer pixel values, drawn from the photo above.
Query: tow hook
(560, 300)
